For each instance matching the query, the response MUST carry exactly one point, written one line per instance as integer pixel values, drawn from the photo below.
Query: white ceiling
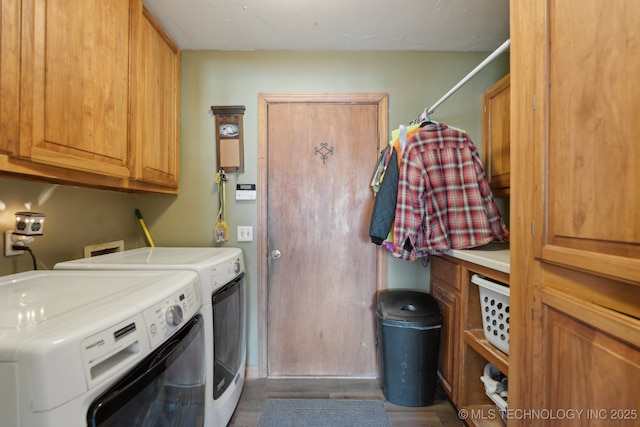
(425, 25)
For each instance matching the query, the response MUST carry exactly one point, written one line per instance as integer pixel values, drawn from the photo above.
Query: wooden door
(155, 120)
(75, 85)
(575, 260)
(319, 157)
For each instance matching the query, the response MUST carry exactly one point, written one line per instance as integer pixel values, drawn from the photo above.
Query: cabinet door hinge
(533, 228)
(534, 102)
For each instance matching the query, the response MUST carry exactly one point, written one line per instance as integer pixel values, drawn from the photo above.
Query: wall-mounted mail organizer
(229, 137)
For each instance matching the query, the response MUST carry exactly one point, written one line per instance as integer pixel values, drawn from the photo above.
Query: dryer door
(228, 335)
(166, 389)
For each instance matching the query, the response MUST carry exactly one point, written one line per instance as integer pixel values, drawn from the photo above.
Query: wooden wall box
(229, 138)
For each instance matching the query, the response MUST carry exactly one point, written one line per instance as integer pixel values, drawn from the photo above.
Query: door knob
(276, 254)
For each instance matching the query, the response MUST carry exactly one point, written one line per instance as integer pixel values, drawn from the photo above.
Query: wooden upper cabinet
(9, 75)
(75, 85)
(496, 140)
(89, 95)
(155, 103)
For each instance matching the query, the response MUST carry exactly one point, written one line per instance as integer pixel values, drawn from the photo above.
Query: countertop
(494, 256)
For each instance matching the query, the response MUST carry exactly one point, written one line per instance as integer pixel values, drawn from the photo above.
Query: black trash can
(409, 324)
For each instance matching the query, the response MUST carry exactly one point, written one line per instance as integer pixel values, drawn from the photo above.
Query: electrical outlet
(8, 244)
(245, 233)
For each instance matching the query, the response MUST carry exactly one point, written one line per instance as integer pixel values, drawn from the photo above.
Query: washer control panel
(166, 317)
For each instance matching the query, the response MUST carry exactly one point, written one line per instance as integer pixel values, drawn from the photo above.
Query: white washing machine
(221, 272)
(86, 348)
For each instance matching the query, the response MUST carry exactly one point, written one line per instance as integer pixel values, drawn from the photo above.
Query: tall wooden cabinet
(89, 95)
(575, 227)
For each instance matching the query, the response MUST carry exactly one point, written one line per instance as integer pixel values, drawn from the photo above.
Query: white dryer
(221, 272)
(86, 348)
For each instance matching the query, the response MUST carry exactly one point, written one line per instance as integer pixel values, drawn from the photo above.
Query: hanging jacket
(444, 200)
(384, 207)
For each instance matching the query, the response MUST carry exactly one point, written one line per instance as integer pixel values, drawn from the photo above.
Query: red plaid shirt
(444, 199)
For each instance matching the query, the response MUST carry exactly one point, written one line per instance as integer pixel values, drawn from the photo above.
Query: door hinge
(533, 228)
(534, 102)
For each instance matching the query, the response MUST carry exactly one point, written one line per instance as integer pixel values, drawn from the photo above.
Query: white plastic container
(494, 304)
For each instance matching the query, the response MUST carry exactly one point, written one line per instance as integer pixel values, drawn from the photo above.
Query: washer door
(167, 389)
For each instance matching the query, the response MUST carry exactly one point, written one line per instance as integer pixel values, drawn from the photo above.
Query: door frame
(381, 100)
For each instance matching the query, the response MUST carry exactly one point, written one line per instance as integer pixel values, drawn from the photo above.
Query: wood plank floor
(256, 391)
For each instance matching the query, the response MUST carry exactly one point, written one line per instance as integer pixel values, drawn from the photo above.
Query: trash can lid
(408, 306)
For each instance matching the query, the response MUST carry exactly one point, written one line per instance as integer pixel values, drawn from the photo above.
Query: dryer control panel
(166, 317)
(225, 272)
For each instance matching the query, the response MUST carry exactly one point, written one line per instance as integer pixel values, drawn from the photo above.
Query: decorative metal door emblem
(324, 151)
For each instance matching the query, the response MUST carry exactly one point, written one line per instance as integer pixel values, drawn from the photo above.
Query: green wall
(75, 217)
(413, 80)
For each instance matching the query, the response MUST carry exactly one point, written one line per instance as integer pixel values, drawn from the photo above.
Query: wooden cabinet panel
(448, 302)
(74, 85)
(445, 272)
(496, 139)
(9, 76)
(593, 152)
(155, 105)
(445, 289)
(582, 357)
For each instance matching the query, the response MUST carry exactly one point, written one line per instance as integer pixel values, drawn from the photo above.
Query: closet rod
(469, 76)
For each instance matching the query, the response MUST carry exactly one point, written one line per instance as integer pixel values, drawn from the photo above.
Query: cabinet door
(600, 355)
(496, 141)
(155, 105)
(9, 76)
(593, 151)
(448, 302)
(445, 289)
(75, 85)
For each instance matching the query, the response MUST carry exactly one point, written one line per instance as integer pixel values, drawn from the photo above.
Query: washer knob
(174, 315)
(236, 267)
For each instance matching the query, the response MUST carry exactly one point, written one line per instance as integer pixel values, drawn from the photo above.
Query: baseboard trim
(251, 372)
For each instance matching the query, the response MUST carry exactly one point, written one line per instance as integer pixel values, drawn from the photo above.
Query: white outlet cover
(8, 244)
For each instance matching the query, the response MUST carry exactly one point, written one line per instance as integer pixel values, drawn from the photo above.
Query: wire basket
(494, 303)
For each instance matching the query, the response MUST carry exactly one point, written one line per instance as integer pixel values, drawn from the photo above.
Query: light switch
(245, 233)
